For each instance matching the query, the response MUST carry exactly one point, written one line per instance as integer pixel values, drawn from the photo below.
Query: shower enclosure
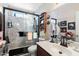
(19, 28)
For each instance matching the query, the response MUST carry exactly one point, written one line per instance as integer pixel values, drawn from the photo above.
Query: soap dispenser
(52, 39)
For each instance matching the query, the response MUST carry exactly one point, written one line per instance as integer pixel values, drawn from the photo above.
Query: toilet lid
(32, 48)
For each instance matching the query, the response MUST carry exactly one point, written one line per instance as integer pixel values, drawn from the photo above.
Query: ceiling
(32, 7)
(24, 6)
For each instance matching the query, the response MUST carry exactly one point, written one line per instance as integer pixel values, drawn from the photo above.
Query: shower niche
(22, 34)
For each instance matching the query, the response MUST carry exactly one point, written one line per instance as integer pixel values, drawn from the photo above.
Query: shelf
(41, 16)
(43, 22)
(41, 19)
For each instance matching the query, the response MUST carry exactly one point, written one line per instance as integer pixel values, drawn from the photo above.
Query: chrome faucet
(64, 41)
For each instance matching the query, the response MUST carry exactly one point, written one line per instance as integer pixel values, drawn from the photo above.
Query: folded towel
(1, 43)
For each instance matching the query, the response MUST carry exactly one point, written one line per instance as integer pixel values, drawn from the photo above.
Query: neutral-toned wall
(65, 12)
(1, 9)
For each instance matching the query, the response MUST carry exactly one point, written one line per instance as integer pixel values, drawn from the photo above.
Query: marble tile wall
(18, 24)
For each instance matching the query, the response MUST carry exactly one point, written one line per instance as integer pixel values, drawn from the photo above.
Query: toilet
(32, 50)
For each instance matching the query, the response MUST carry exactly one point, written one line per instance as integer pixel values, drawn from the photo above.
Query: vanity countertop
(54, 48)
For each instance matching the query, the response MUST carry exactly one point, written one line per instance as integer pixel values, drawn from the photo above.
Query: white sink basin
(74, 46)
(60, 50)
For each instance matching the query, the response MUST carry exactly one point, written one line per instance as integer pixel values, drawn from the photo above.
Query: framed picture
(63, 29)
(71, 26)
(63, 23)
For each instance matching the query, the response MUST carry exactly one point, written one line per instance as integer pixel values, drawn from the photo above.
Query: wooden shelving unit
(43, 23)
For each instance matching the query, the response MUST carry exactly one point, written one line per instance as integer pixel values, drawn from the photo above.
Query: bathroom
(39, 29)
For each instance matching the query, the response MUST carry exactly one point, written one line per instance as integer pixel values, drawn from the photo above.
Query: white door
(77, 26)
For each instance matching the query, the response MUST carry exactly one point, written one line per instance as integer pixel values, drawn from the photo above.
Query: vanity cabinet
(42, 52)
